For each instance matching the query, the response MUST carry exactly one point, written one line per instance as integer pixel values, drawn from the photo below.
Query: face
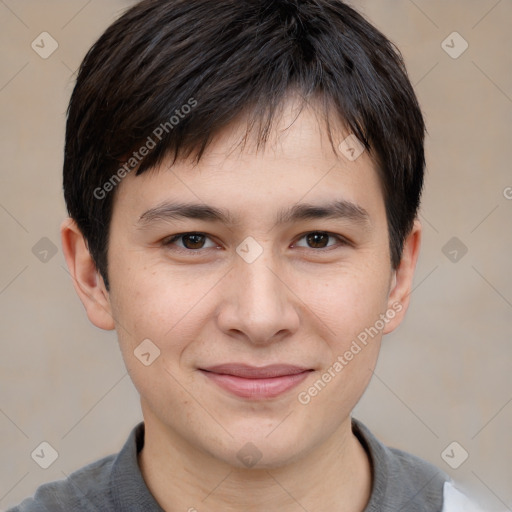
(259, 285)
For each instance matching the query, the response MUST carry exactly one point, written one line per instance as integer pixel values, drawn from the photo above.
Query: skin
(297, 303)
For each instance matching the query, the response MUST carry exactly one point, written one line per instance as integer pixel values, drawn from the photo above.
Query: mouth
(256, 382)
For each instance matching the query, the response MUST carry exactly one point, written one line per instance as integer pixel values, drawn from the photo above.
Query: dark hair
(223, 58)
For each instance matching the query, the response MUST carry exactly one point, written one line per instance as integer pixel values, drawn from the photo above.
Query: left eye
(319, 239)
(195, 241)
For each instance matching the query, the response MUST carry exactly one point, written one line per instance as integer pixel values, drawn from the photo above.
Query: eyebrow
(340, 209)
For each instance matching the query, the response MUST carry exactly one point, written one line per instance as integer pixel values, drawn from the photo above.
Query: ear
(87, 280)
(401, 283)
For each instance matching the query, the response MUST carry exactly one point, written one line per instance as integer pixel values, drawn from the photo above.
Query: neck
(334, 476)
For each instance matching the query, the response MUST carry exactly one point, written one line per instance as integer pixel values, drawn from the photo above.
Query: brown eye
(317, 240)
(320, 240)
(189, 241)
(193, 241)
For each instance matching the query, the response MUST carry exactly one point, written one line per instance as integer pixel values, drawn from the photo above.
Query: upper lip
(256, 372)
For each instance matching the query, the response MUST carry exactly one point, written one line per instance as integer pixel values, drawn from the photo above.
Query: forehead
(296, 163)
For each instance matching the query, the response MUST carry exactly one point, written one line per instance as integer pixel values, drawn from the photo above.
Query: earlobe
(87, 280)
(401, 283)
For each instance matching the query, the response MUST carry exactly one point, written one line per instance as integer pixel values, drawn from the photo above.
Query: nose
(258, 302)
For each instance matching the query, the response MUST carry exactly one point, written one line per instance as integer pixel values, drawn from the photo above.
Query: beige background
(444, 376)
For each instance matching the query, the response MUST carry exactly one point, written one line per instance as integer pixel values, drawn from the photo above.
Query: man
(243, 180)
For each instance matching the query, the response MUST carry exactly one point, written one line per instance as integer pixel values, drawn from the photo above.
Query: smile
(256, 383)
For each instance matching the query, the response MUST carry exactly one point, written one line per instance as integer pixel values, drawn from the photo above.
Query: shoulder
(411, 469)
(85, 489)
(393, 465)
(401, 481)
(108, 484)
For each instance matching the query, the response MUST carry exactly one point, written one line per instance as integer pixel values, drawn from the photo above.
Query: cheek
(152, 318)
(166, 305)
(149, 295)
(348, 300)
(144, 307)
(349, 309)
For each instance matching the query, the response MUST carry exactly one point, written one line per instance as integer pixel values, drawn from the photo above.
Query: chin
(262, 450)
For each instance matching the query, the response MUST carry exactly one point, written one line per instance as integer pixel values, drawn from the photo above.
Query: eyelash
(342, 241)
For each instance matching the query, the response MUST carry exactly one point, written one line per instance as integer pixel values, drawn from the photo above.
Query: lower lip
(256, 388)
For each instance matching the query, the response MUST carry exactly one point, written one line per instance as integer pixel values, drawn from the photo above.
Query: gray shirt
(401, 482)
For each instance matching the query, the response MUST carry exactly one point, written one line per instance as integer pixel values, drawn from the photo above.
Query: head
(240, 113)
